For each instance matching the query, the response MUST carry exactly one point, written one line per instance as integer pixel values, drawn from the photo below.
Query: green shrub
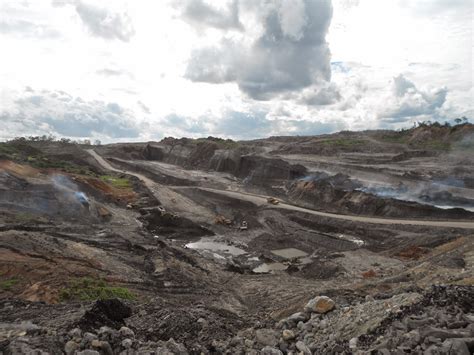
(8, 151)
(88, 289)
(396, 138)
(25, 217)
(120, 183)
(6, 285)
(435, 145)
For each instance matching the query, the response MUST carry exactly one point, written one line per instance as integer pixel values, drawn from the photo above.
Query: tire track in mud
(261, 200)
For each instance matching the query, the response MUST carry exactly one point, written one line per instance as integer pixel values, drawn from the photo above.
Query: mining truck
(273, 201)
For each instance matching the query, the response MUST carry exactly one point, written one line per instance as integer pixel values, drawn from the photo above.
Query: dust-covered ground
(345, 243)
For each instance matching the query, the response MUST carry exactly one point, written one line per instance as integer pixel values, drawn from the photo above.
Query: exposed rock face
(202, 154)
(153, 152)
(337, 193)
(237, 161)
(320, 304)
(262, 171)
(255, 169)
(226, 161)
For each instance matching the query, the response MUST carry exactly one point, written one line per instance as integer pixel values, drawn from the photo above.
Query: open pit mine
(350, 243)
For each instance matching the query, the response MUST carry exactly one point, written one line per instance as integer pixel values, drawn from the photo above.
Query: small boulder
(266, 337)
(268, 350)
(96, 343)
(75, 333)
(202, 322)
(303, 348)
(175, 347)
(320, 304)
(126, 332)
(87, 339)
(106, 348)
(127, 343)
(455, 346)
(236, 341)
(71, 347)
(88, 352)
(161, 351)
(297, 317)
(288, 335)
(248, 343)
(106, 333)
(353, 344)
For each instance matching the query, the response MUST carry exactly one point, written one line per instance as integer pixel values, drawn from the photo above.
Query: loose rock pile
(108, 341)
(440, 321)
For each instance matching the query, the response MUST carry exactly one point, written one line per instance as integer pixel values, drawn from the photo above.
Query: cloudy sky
(141, 70)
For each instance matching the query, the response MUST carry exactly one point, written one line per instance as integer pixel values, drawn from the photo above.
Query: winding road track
(261, 200)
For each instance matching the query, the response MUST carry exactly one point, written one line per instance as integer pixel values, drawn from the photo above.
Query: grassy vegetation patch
(24, 217)
(23, 153)
(6, 285)
(7, 151)
(436, 145)
(45, 163)
(429, 143)
(398, 138)
(89, 289)
(343, 142)
(119, 183)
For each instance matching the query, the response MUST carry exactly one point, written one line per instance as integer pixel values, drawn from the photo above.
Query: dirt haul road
(261, 200)
(168, 197)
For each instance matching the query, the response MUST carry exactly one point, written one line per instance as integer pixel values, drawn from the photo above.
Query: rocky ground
(436, 321)
(174, 247)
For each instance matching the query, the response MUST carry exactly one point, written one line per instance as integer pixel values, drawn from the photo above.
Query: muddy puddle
(221, 252)
(289, 253)
(298, 258)
(218, 249)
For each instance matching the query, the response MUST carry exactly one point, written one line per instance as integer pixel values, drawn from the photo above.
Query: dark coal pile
(109, 313)
(158, 221)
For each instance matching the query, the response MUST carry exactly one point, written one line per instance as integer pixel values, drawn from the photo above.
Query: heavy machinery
(273, 201)
(222, 220)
